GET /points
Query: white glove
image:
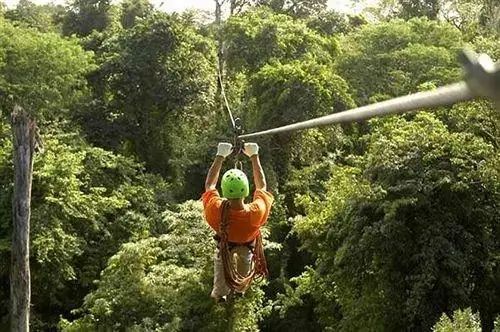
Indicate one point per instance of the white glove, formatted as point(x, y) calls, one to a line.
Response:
point(224, 149)
point(250, 149)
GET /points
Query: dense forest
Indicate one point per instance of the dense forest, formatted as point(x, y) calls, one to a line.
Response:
point(390, 224)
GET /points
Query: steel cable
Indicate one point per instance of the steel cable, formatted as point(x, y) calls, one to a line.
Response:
point(221, 84)
point(446, 95)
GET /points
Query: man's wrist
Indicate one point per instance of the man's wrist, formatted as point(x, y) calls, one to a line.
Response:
point(254, 156)
point(220, 157)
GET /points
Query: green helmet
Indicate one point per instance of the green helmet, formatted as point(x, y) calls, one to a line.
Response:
point(234, 184)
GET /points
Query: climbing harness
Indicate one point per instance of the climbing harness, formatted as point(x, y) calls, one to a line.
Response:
point(231, 245)
point(237, 282)
point(482, 79)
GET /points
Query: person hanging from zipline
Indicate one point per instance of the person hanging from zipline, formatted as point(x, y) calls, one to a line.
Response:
point(239, 257)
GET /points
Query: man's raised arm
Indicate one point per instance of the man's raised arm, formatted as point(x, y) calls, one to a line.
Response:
point(223, 150)
point(252, 151)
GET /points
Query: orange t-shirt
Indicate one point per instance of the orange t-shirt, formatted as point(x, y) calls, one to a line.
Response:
point(244, 224)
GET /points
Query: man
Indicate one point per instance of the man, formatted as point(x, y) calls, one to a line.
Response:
point(244, 220)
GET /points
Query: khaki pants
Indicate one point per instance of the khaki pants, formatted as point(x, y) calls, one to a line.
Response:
point(242, 257)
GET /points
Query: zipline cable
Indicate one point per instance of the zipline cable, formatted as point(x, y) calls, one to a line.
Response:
point(439, 97)
point(235, 123)
point(482, 80)
point(221, 84)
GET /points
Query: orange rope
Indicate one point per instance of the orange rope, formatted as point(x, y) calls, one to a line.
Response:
point(234, 279)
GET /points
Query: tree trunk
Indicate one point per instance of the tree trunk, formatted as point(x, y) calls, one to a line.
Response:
point(23, 131)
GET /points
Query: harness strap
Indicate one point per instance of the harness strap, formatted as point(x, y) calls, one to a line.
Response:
point(250, 244)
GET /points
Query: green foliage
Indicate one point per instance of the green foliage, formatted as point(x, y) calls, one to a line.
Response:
point(477, 117)
point(346, 183)
point(257, 37)
point(490, 46)
point(330, 23)
point(302, 305)
point(297, 91)
point(134, 10)
point(392, 59)
point(296, 8)
point(417, 8)
point(44, 73)
point(406, 247)
point(472, 17)
point(45, 18)
point(475, 17)
point(149, 96)
point(86, 16)
point(461, 321)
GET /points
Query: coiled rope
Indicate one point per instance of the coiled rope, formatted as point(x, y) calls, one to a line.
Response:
point(236, 281)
